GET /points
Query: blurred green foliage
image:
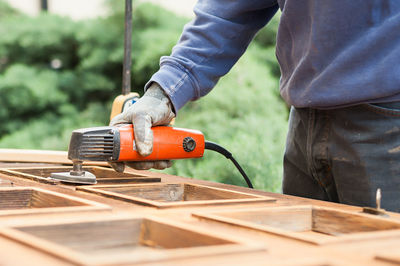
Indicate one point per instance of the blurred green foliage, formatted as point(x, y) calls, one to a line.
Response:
point(57, 75)
point(6, 10)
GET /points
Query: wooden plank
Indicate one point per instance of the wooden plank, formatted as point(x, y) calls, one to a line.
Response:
point(39, 156)
point(32, 200)
point(322, 226)
point(299, 233)
point(14, 253)
point(293, 218)
point(392, 255)
point(103, 175)
point(107, 241)
point(168, 195)
point(44, 246)
point(334, 222)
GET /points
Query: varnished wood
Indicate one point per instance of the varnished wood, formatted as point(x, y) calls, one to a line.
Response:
point(300, 231)
point(31, 200)
point(103, 175)
point(336, 222)
point(392, 255)
point(121, 241)
point(167, 195)
point(39, 156)
point(313, 224)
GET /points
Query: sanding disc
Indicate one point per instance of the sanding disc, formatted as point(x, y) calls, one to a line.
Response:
point(86, 178)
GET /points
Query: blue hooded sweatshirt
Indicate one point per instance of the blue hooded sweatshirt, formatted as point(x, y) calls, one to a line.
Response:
point(332, 53)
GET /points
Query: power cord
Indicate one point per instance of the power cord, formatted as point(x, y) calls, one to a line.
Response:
point(215, 147)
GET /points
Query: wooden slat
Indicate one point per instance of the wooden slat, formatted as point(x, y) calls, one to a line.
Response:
point(108, 241)
point(287, 230)
point(336, 222)
point(103, 175)
point(31, 200)
point(39, 156)
point(167, 195)
point(392, 255)
point(320, 225)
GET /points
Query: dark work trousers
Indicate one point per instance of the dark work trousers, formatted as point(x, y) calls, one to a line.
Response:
point(344, 155)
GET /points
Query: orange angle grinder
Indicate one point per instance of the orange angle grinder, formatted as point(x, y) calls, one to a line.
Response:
point(116, 144)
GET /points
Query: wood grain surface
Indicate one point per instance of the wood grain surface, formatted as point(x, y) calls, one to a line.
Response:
point(31, 200)
point(121, 241)
point(391, 255)
point(313, 224)
point(132, 219)
point(167, 195)
point(103, 175)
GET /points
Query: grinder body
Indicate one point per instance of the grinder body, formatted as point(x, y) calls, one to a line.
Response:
point(116, 143)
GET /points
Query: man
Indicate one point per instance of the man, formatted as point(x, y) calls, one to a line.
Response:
point(340, 69)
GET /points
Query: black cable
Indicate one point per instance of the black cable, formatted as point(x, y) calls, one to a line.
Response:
point(215, 147)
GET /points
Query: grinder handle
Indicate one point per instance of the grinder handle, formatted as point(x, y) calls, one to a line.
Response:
point(123, 102)
point(169, 143)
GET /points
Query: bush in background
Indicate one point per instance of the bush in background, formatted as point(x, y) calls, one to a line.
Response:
point(57, 75)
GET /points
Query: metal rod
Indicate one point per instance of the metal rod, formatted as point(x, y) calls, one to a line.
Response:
point(126, 72)
point(44, 5)
point(378, 198)
point(77, 169)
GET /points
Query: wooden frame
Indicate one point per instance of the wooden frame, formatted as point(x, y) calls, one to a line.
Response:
point(209, 229)
point(308, 223)
point(392, 255)
point(103, 175)
point(39, 156)
point(6, 182)
point(46, 201)
point(167, 195)
point(113, 241)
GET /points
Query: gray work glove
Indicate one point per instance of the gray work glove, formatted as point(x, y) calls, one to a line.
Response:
point(153, 109)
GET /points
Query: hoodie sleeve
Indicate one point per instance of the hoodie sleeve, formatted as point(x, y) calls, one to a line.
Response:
point(209, 46)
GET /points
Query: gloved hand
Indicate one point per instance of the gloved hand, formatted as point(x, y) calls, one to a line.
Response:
point(153, 109)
